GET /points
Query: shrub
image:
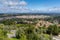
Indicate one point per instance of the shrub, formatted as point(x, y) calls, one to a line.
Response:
point(53, 29)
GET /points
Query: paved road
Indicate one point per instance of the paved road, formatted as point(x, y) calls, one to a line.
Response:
point(56, 37)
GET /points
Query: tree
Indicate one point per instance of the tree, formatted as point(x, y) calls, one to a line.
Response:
point(53, 29)
point(23, 37)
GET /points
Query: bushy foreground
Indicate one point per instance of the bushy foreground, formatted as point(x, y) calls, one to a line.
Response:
point(27, 32)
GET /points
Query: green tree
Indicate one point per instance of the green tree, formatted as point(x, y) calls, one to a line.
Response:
point(23, 37)
point(53, 29)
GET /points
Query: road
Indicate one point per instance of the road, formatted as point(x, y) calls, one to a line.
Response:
point(56, 37)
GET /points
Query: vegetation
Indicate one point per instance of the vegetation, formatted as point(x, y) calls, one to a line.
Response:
point(22, 30)
point(53, 29)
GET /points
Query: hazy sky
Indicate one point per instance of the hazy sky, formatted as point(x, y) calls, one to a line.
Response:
point(18, 6)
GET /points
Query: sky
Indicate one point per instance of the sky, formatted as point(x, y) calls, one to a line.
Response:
point(29, 6)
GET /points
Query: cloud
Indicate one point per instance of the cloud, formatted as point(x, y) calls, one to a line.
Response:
point(54, 10)
point(23, 3)
point(13, 6)
point(15, 3)
point(47, 10)
point(11, 3)
point(20, 6)
point(16, 6)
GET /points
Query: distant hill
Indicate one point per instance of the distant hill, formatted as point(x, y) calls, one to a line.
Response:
point(17, 14)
